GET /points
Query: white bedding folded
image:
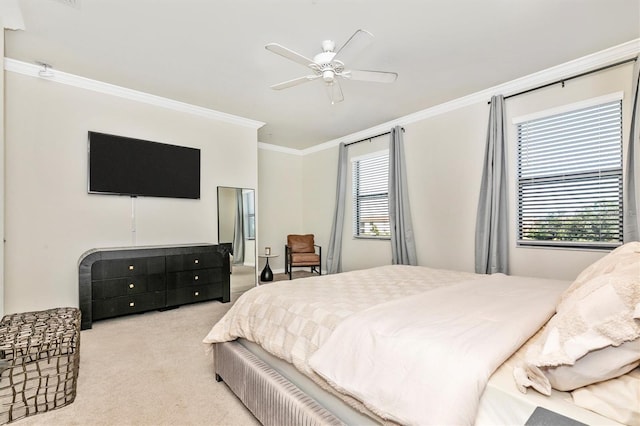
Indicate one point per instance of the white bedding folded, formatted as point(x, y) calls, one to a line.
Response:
point(426, 359)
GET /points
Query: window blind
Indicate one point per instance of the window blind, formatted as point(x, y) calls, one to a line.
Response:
point(570, 178)
point(371, 197)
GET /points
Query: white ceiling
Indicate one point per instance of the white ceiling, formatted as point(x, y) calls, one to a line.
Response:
point(211, 53)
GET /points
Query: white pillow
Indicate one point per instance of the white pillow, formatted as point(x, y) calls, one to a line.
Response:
point(611, 263)
point(600, 309)
point(596, 366)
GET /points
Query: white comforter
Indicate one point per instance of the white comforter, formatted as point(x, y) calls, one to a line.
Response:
point(292, 319)
point(425, 359)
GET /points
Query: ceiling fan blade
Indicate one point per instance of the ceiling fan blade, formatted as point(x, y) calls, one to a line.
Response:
point(358, 41)
point(335, 92)
point(375, 76)
point(289, 54)
point(294, 82)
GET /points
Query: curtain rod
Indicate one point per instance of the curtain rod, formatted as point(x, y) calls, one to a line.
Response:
point(569, 78)
point(370, 137)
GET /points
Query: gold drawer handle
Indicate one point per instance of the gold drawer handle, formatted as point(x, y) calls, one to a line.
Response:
point(195, 278)
point(132, 304)
point(196, 261)
point(131, 267)
point(197, 293)
point(131, 285)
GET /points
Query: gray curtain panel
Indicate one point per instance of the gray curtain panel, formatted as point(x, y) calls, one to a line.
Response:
point(403, 246)
point(631, 188)
point(238, 232)
point(491, 242)
point(334, 251)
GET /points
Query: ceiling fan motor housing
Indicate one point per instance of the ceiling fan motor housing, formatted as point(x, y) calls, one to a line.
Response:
point(328, 46)
point(328, 75)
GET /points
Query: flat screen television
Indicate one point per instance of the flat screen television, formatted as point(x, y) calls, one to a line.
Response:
point(135, 167)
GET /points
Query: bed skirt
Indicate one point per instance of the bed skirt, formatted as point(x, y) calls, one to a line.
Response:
point(271, 398)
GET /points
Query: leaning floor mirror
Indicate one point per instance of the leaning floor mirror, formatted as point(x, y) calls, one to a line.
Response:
point(236, 226)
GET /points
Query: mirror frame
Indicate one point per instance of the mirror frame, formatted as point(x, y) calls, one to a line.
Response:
point(253, 253)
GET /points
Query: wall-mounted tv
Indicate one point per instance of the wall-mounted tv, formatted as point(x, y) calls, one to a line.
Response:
point(135, 167)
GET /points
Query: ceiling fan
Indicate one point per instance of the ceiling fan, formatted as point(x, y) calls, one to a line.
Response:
point(329, 65)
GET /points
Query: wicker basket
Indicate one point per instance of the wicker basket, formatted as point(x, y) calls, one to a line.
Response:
point(39, 362)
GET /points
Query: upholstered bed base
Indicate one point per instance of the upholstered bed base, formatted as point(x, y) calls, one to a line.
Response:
point(271, 398)
point(277, 394)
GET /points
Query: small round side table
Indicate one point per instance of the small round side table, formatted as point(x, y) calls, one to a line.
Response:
point(266, 274)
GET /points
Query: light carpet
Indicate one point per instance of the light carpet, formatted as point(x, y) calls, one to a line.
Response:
point(150, 369)
point(242, 278)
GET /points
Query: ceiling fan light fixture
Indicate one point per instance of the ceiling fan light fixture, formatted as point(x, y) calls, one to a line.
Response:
point(328, 76)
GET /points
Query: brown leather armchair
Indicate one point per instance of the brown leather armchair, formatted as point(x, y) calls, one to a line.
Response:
point(300, 251)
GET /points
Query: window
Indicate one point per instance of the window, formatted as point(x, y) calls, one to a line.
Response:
point(570, 178)
point(371, 196)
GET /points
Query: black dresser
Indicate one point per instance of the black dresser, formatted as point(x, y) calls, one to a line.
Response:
point(115, 282)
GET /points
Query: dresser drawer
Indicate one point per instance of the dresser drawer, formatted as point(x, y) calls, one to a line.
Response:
point(125, 286)
point(120, 268)
point(124, 305)
point(196, 293)
point(187, 262)
point(190, 278)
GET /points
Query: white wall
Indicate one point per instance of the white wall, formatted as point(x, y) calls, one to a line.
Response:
point(319, 182)
point(51, 220)
point(279, 203)
point(444, 155)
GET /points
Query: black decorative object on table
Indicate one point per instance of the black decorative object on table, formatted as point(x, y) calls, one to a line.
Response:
point(267, 274)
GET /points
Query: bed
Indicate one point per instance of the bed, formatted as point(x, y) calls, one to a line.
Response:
point(404, 344)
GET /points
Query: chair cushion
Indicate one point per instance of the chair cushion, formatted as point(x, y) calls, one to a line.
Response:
point(305, 259)
point(301, 243)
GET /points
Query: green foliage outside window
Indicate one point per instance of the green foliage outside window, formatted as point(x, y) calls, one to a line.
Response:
point(599, 222)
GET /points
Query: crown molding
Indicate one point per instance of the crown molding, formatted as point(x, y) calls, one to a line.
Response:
point(599, 59)
point(32, 70)
point(278, 148)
